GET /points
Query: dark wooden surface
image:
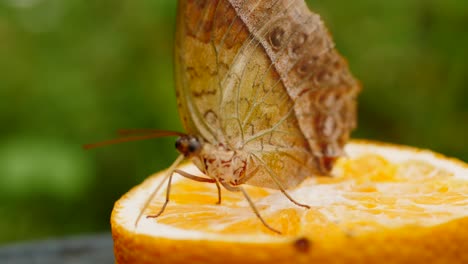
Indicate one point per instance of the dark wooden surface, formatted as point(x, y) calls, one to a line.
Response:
point(74, 250)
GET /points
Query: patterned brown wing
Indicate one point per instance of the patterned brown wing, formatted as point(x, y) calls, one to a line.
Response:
point(316, 77)
point(232, 91)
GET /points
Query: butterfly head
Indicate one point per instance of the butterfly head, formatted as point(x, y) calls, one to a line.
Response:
point(189, 145)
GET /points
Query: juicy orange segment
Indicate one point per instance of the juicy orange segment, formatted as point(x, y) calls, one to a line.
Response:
point(382, 202)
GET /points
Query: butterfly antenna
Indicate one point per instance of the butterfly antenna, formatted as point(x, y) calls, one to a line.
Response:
point(146, 131)
point(156, 190)
point(134, 135)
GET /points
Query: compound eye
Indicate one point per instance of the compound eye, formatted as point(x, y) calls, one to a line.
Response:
point(193, 146)
point(178, 144)
point(182, 145)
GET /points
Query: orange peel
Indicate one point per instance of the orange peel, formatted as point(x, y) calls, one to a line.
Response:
point(384, 203)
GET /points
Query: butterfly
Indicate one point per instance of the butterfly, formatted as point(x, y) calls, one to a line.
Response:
point(263, 95)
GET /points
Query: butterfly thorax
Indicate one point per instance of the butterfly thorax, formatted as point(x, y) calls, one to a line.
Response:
point(226, 165)
point(216, 161)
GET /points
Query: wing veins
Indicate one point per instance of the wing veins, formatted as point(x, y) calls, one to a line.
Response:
point(252, 39)
point(268, 131)
point(247, 43)
point(201, 22)
point(245, 48)
point(283, 49)
point(215, 49)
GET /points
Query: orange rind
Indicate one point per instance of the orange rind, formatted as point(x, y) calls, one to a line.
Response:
point(384, 204)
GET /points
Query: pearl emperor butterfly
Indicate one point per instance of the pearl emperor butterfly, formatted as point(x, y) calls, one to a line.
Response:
point(264, 96)
point(262, 91)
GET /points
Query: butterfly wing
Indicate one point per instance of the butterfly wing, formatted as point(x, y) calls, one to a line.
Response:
point(236, 87)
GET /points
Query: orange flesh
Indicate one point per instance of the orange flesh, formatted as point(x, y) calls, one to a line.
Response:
point(412, 209)
point(375, 194)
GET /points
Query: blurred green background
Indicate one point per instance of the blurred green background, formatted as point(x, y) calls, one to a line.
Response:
point(73, 72)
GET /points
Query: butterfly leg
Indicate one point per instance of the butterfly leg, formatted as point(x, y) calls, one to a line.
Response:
point(191, 177)
point(201, 179)
point(156, 190)
point(251, 203)
point(280, 186)
point(168, 192)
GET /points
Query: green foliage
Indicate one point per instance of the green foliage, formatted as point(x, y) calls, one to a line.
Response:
point(72, 72)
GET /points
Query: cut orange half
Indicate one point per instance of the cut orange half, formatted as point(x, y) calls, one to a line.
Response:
point(384, 204)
